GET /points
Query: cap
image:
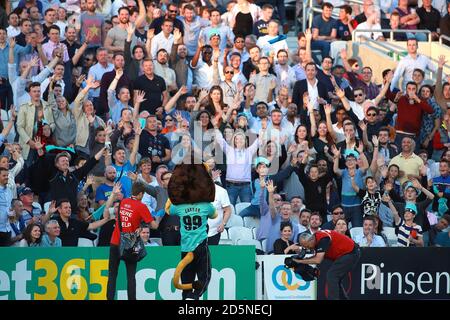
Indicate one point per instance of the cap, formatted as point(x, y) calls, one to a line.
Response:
point(214, 32)
point(259, 160)
point(24, 191)
point(351, 153)
point(408, 185)
point(411, 207)
point(242, 114)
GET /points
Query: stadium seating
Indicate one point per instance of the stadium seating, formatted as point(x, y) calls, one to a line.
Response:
point(237, 233)
point(241, 206)
point(226, 242)
point(391, 236)
point(224, 234)
point(251, 222)
point(83, 242)
point(355, 231)
point(235, 221)
point(156, 240)
point(249, 242)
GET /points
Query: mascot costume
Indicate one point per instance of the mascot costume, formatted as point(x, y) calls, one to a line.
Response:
point(191, 193)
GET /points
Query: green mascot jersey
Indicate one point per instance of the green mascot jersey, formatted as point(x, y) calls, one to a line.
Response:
point(194, 222)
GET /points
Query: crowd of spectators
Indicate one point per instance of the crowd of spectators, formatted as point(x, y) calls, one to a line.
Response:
point(96, 95)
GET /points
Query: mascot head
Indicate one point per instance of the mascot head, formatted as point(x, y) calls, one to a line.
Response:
point(191, 183)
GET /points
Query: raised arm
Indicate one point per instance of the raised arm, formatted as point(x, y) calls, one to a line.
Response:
point(383, 91)
point(137, 135)
point(171, 104)
point(177, 40)
point(194, 61)
point(271, 189)
point(140, 20)
point(365, 164)
point(336, 157)
point(330, 129)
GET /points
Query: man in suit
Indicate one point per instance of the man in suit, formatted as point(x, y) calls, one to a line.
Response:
point(317, 92)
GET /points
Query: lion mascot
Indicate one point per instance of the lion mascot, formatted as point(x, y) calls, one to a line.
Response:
point(191, 193)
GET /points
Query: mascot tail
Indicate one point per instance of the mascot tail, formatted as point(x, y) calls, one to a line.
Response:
point(180, 267)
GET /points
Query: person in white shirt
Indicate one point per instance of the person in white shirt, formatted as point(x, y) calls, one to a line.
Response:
point(62, 22)
point(408, 64)
point(372, 23)
point(204, 67)
point(267, 48)
point(223, 209)
point(13, 29)
point(164, 39)
point(161, 67)
point(368, 238)
point(285, 73)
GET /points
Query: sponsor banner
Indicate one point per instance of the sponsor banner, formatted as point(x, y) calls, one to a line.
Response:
point(82, 273)
point(396, 273)
point(283, 284)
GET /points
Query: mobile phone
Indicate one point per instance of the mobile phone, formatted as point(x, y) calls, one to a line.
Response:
point(108, 146)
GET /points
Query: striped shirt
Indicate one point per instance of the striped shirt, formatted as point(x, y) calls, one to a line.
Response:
point(404, 232)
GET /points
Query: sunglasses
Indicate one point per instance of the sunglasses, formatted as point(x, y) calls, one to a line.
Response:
point(371, 114)
point(239, 41)
point(229, 71)
point(338, 212)
point(173, 11)
point(359, 95)
point(169, 119)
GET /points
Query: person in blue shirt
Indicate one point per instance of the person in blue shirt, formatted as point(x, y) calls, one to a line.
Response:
point(122, 165)
point(262, 168)
point(441, 189)
point(51, 235)
point(350, 200)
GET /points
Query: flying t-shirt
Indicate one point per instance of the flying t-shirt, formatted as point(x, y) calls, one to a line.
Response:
point(194, 221)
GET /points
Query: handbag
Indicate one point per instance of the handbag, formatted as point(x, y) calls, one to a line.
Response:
point(131, 248)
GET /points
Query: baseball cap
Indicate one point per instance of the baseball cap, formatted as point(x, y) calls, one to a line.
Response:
point(24, 191)
point(214, 32)
point(259, 160)
point(351, 153)
point(411, 207)
point(242, 114)
point(408, 185)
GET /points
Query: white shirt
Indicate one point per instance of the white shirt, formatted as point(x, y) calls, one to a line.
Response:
point(221, 201)
point(371, 35)
point(377, 241)
point(285, 77)
point(313, 93)
point(203, 73)
point(62, 27)
point(165, 72)
point(161, 42)
point(117, 4)
point(406, 66)
point(12, 31)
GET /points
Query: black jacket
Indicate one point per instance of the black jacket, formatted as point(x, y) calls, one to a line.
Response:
point(66, 186)
point(300, 87)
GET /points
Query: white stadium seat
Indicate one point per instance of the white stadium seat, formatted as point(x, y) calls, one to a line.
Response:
point(226, 242)
point(241, 206)
point(236, 233)
point(389, 232)
point(355, 231)
point(156, 240)
point(235, 221)
point(224, 234)
point(249, 242)
point(83, 242)
point(251, 222)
